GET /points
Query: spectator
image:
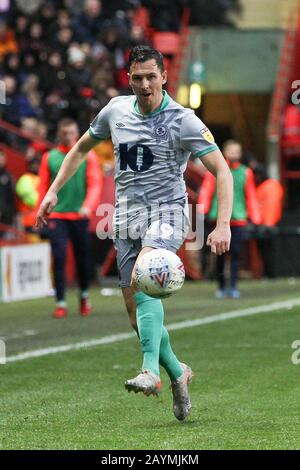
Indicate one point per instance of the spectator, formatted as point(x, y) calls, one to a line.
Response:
point(270, 199)
point(53, 76)
point(7, 194)
point(12, 66)
point(113, 7)
point(70, 218)
point(17, 104)
point(89, 23)
point(20, 27)
point(35, 43)
point(78, 73)
point(29, 65)
point(46, 17)
point(103, 83)
point(76, 6)
point(30, 89)
point(63, 20)
point(245, 207)
point(63, 41)
point(37, 132)
point(165, 15)
point(29, 7)
point(137, 36)
point(8, 43)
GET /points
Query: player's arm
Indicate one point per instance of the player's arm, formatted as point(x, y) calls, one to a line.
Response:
point(70, 164)
point(219, 238)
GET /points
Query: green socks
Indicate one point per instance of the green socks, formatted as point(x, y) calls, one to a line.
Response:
point(167, 358)
point(150, 318)
point(154, 337)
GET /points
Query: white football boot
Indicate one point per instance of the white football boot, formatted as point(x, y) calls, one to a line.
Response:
point(181, 400)
point(145, 382)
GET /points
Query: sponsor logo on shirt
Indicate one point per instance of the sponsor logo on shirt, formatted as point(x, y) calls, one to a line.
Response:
point(120, 124)
point(207, 135)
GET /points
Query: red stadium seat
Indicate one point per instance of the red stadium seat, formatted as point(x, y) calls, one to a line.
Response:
point(166, 42)
point(142, 18)
point(291, 128)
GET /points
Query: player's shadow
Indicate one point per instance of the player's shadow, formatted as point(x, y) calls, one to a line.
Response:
point(192, 422)
point(189, 423)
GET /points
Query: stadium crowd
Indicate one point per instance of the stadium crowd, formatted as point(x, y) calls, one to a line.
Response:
point(68, 57)
point(64, 58)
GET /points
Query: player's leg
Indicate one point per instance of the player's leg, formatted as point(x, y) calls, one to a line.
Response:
point(148, 381)
point(153, 334)
point(58, 236)
point(167, 358)
point(235, 252)
point(180, 374)
point(79, 235)
point(148, 321)
point(169, 232)
point(220, 264)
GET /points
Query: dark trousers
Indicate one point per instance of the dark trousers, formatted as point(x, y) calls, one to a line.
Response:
point(237, 237)
point(60, 231)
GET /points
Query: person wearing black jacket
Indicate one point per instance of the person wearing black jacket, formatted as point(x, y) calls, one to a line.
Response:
point(7, 194)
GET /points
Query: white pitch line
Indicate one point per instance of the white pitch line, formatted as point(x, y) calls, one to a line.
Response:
point(20, 335)
point(289, 304)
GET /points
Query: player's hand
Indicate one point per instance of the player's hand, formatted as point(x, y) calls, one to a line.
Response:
point(219, 240)
point(46, 207)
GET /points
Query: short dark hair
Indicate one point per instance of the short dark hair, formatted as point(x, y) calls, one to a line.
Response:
point(143, 53)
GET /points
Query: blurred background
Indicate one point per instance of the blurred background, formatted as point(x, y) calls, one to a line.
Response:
point(235, 62)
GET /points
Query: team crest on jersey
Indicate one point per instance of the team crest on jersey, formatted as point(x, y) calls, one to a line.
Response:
point(207, 135)
point(160, 132)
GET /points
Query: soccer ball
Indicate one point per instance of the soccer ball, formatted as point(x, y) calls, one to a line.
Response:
point(159, 273)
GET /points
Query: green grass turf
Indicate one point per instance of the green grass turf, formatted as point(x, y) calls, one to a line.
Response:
point(245, 393)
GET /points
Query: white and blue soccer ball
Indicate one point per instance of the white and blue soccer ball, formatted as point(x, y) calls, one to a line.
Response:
point(159, 273)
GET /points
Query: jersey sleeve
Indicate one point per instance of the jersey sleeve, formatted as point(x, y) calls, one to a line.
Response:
point(195, 137)
point(99, 128)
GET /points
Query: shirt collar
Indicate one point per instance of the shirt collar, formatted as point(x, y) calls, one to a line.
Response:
point(165, 101)
point(64, 148)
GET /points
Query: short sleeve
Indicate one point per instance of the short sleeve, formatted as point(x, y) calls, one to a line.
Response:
point(99, 128)
point(195, 137)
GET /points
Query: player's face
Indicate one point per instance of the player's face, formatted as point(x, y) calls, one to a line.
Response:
point(68, 135)
point(147, 81)
point(233, 152)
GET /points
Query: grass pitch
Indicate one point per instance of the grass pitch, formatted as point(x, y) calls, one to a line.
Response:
point(245, 393)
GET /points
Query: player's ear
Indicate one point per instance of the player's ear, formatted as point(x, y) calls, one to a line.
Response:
point(165, 77)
